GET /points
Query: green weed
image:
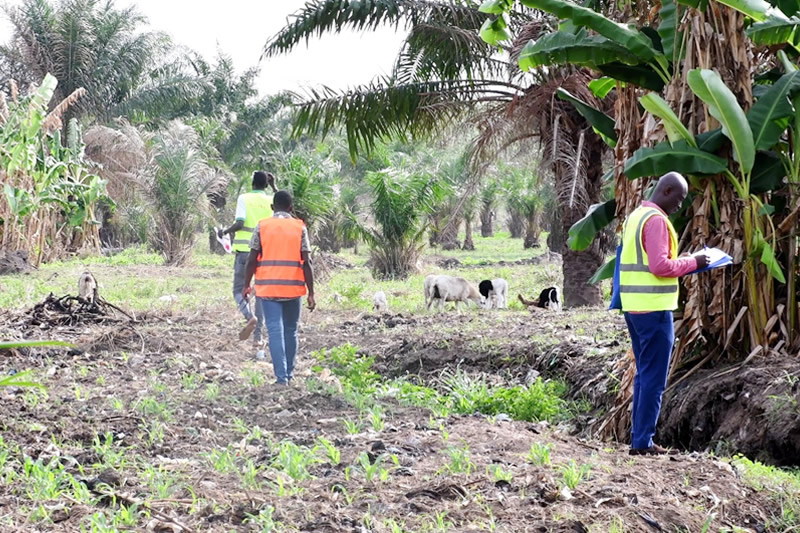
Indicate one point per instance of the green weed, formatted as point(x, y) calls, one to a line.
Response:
point(573, 475)
point(539, 454)
point(295, 460)
point(460, 461)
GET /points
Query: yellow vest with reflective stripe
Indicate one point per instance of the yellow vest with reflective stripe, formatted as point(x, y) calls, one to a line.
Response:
point(639, 289)
point(258, 205)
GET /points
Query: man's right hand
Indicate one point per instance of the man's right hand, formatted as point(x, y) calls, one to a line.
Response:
point(246, 291)
point(702, 260)
point(220, 233)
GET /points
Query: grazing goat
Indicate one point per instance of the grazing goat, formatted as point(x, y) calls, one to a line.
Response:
point(494, 292)
point(548, 299)
point(454, 289)
point(427, 287)
point(379, 303)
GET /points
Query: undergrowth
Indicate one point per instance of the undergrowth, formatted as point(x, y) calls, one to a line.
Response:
point(460, 393)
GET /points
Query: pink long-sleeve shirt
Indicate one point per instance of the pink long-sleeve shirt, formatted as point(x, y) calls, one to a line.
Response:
point(655, 238)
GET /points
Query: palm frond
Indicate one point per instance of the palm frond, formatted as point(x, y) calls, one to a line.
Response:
point(318, 17)
point(381, 109)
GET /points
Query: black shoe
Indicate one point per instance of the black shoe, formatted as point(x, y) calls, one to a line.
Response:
point(655, 449)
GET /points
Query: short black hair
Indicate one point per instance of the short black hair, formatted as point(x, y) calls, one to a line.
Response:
point(282, 200)
point(259, 179)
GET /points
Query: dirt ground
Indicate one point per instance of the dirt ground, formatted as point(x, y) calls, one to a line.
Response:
point(172, 417)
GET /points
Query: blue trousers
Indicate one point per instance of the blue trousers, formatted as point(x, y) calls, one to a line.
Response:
point(239, 264)
point(282, 317)
point(652, 336)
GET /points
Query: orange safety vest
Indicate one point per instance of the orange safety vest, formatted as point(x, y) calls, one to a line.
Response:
point(279, 273)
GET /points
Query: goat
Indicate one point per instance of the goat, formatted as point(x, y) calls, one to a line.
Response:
point(494, 292)
point(548, 299)
point(379, 303)
point(427, 287)
point(454, 289)
point(87, 288)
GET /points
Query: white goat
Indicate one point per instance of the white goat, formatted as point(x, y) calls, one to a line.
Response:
point(379, 303)
point(454, 289)
point(494, 293)
point(427, 287)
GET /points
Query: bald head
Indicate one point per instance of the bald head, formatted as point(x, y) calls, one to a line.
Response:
point(670, 192)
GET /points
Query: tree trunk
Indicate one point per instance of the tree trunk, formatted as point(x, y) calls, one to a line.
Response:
point(487, 216)
point(448, 238)
point(532, 233)
point(434, 237)
point(468, 244)
point(556, 238)
point(578, 267)
point(516, 224)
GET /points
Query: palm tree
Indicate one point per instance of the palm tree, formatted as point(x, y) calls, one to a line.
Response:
point(92, 44)
point(401, 201)
point(444, 74)
point(489, 194)
point(178, 184)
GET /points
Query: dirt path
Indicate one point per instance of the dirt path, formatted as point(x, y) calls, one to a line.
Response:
point(174, 419)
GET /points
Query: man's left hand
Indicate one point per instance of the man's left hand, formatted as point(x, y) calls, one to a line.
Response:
point(312, 302)
point(220, 233)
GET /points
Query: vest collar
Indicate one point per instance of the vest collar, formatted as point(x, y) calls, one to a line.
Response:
point(647, 203)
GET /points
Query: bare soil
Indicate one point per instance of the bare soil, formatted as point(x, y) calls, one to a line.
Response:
point(153, 358)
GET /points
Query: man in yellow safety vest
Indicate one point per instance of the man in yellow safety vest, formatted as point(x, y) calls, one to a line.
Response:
point(648, 286)
point(250, 208)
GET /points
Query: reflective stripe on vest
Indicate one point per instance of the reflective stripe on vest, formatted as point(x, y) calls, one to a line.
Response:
point(279, 272)
point(257, 206)
point(641, 290)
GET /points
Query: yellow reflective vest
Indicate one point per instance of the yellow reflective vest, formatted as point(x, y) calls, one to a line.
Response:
point(640, 289)
point(258, 205)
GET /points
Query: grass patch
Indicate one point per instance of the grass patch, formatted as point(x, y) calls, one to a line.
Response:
point(463, 394)
point(783, 486)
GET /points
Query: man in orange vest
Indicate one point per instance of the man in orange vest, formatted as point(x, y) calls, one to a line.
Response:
point(279, 259)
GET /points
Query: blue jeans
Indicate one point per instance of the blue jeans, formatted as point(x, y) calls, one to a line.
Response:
point(239, 265)
point(652, 336)
point(282, 318)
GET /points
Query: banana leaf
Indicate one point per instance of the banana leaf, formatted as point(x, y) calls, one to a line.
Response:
point(602, 86)
point(771, 113)
point(562, 48)
point(602, 123)
point(711, 141)
point(640, 75)
point(676, 131)
point(627, 36)
point(758, 10)
point(679, 157)
point(582, 233)
point(722, 105)
point(774, 30)
point(768, 173)
point(604, 272)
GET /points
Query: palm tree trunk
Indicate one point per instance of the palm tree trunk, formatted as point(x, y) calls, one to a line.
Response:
point(487, 214)
point(516, 224)
point(449, 237)
point(556, 239)
point(578, 267)
point(532, 233)
point(468, 243)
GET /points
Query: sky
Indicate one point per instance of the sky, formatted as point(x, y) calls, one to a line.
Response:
point(242, 27)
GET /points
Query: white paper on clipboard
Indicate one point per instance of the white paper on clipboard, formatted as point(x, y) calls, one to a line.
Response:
point(225, 241)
